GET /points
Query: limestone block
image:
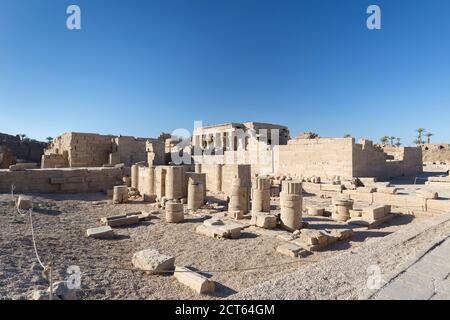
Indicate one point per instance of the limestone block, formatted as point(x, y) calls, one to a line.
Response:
point(193, 280)
point(105, 232)
point(425, 194)
point(438, 206)
point(315, 211)
point(211, 231)
point(289, 249)
point(355, 213)
point(152, 261)
point(374, 212)
point(219, 229)
point(174, 212)
point(341, 234)
point(238, 215)
point(120, 194)
point(312, 237)
point(121, 220)
point(24, 203)
point(264, 220)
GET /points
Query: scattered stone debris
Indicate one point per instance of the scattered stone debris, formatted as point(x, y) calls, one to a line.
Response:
point(315, 211)
point(151, 261)
point(105, 232)
point(218, 228)
point(121, 220)
point(289, 249)
point(264, 220)
point(120, 194)
point(195, 281)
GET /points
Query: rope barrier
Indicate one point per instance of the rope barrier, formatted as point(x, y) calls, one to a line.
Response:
point(34, 240)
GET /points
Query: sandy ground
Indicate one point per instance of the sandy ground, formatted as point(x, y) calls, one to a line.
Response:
point(60, 223)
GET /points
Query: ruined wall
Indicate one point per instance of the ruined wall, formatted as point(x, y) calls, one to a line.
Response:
point(324, 157)
point(131, 150)
point(408, 161)
point(369, 160)
point(6, 157)
point(436, 153)
point(28, 150)
point(82, 149)
point(156, 152)
point(67, 180)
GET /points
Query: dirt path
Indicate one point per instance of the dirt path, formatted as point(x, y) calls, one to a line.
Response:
point(345, 276)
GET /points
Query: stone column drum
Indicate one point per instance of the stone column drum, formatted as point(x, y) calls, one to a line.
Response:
point(198, 168)
point(174, 212)
point(195, 195)
point(342, 207)
point(261, 195)
point(239, 199)
point(291, 205)
point(120, 194)
point(174, 182)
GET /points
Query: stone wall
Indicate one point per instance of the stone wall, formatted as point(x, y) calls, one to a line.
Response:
point(324, 157)
point(131, 150)
point(436, 153)
point(6, 157)
point(28, 150)
point(66, 180)
point(94, 150)
point(80, 149)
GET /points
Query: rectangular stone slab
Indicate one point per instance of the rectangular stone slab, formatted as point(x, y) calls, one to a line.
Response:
point(195, 281)
point(104, 232)
point(152, 261)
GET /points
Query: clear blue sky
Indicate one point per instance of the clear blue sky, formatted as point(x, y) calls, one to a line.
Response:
point(141, 67)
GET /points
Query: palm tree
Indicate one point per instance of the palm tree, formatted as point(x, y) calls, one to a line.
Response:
point(418, 142)
point(384, 140)
point(420, 132)
point(429, 135)
point(391, 139)
point(348, 135)
point(398, 143)
point(49, 139)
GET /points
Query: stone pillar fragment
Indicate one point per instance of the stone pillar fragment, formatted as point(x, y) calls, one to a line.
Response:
point(261, 195)
point(174, 212)
point(239, 199)
point(291, 205)
point(195, 195)
point(120, 194)
point(175, 182)
point(342, 207)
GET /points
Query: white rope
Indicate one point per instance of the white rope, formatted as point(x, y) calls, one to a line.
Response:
point(34, 241)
